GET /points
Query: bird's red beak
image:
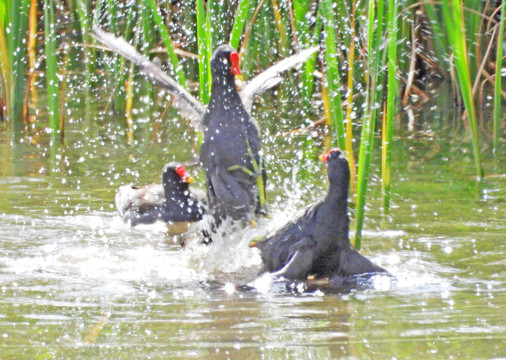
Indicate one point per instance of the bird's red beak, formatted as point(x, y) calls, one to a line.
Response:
point(325, 156)
point(234, 59)
point(183, 174)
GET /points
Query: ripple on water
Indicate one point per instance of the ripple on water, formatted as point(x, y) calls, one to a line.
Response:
point(103, 249)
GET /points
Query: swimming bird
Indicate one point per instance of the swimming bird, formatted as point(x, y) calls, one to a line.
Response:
point(171, 201)
point(317, 242)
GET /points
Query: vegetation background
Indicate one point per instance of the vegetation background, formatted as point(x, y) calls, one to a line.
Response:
point(379, 60)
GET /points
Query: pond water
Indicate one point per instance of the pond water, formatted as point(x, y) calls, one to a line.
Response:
point(76, 282)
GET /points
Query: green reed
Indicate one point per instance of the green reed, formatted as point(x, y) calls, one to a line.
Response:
point(349, 101)
point(148, 42)
point(53, 87)
point(471, 21)
point(387, 132)
point(305, 39)
point(373, 101)
point(116, 65)
point(498, 82)
point(14, 28)
point(332, 73)
point(83, 14)
point(5, 80)
point(308, 78)
point(165, 35)
point(204, 49)
point(239, 20)
point(438, 35)
point(455, 28)
point(260, 26)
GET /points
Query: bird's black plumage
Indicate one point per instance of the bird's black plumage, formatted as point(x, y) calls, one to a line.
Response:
point(317, 243)
point(231, 145)
point(171, 201)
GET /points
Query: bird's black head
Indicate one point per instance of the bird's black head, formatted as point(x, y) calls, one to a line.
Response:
point(338, 169)
point(225, 63)
point(175, 177)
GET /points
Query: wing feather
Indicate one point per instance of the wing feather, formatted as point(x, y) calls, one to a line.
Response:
point(269, 78)
point(190, 107)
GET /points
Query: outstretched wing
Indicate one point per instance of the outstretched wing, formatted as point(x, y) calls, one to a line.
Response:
point(270, 77)
point(190, 107)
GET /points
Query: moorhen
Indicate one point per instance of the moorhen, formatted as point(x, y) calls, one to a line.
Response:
point(317, 242)
point(171, 201)
point(230, 153)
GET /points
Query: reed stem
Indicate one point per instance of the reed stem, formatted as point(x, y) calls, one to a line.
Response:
point(17, 22)
point(239, 20)
point(53, 92)
point(369, 123)
point(164, 32)
point(332, 73)
point(390, 106)
point(349, 105)
point(456, 33)
point(203, 40)
point(498, 82)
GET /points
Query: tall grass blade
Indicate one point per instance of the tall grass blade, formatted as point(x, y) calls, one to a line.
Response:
point(203, 40)
point(326, 112)
point(119, 70)
point(349, 100)
point(455, 28)
point(5, 80)
point(369, 123)
point(250, 42)
point(309, 66)
point(332, 72)
point(283, 39)
point(53, 92)
point(239, 20)
point(300, 12)
point(438, 35)
point(390, 107)
point(31, 44)
point(471, 21)
point(164, 32)
point(83, 14)
point(129, 105)
point(18, 25)
point(498, 82)
point(209, 42)
point(4, 11)
point(149, 41)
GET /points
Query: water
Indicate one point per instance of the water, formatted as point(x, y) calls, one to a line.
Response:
point(76, 282)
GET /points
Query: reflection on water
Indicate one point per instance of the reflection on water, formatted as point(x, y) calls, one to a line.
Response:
point(73, 274)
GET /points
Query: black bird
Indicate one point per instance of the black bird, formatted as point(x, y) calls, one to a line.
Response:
point(171, 201)
point(317, 243)
point(230, 153)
